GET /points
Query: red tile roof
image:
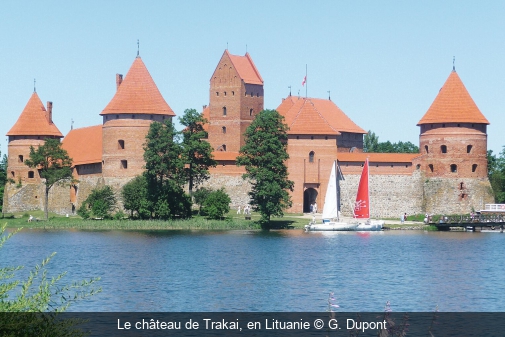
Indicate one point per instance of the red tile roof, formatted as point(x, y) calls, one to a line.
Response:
point(453, 104)
point(225, 155)
point(377, 157)
point(34, 121)
point(138, 94)
point(315, 116)
point(84, 145)
point(246, 68)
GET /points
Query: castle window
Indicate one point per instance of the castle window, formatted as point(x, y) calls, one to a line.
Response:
point(257, 94)
point(224, 129)
point(20, 158)
point(120, 144)
point(233, 93)
point(311, 157)
point(426, 148)
point(418, 166)
point(474, 167)
point(225, 93)
point(431, 167)
point(454, 168)
point(461, 185)
point(224, 147)
point(124, 164)
point(31, 174)
point(252, 94)
point(443, 149)
point(12, 174)
point(250, 112)
point(469, 148)
point(224, 111)
point(217, 93)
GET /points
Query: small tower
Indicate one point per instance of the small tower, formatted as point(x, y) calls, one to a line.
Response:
point(126, 120)
point(236, 96)
point(33, 126)
point(453, 146)
point(453, 139)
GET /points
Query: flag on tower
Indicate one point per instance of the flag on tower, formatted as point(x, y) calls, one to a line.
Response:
point(304, 80)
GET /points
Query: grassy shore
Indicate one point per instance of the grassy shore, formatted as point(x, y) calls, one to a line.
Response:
point(232, 221)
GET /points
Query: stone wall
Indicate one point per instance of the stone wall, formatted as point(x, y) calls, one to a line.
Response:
point(391, 195)
point(236, 187)
point(456, 195)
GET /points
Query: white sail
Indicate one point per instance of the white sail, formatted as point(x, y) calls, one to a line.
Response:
point(330, 209)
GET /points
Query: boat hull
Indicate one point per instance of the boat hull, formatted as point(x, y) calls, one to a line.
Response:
point(370, 225)
point(331, 226)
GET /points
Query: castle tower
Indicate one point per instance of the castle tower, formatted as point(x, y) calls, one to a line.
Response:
point(453, 146)
point(236, 96)
point(33, 126)
point(126, 120)
point(453, 139)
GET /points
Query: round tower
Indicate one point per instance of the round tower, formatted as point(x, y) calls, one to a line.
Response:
point(453, 146)
point(453, 138)
point(126, 120)
point(33, 126)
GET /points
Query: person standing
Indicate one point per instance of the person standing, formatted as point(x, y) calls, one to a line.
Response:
point(315, 207)
point(312, 208)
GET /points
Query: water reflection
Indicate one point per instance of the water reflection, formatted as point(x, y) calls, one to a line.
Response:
point(286, 270)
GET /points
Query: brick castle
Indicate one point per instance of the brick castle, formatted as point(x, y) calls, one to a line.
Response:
point(449, 175)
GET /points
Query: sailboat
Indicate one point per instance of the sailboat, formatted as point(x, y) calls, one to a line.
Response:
point(330, 209)
point(362, 205)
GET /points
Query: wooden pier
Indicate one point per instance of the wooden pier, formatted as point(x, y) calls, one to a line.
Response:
point(488, 221)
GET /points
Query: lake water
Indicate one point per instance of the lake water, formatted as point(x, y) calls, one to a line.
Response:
point(273, 271)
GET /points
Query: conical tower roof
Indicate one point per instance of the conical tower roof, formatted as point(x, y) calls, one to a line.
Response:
point(453, 104)
point(138, 94)
point(34, 121)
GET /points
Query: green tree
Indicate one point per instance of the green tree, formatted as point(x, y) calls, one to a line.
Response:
point(264, 156)
point(3, 178)
point(38, 293)
point(164, 173)
point(196, 151)
point(101, 201)
point(134, 195)
point(370, 142)
point(496, 174)
point(217, 204)
point(53, 163)
point(199, 196)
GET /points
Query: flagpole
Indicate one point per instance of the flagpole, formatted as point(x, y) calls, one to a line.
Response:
point(306, 81)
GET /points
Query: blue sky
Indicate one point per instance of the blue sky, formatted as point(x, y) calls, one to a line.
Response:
point(382, 61)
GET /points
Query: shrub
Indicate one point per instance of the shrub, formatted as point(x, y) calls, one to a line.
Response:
point(217, 204)
point(84, 211)
point(102, 202)
point(200, 195)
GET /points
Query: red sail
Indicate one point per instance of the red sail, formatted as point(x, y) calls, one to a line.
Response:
point(362, 205)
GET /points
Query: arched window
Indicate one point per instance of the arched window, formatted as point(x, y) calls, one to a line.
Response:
point(311, 156)
point(124, 164)
point(224, 129)
point(418, 166)
point(431, 167)
point(426, 148)
point(474, 167)
point(250, 112)
point(454, 168)
point(469, 148)
point(225, 93)
point(31, 174)
point(224, 111)
point(20, 158)
point(120, 144)
point(224, 147)
point(443, 149)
